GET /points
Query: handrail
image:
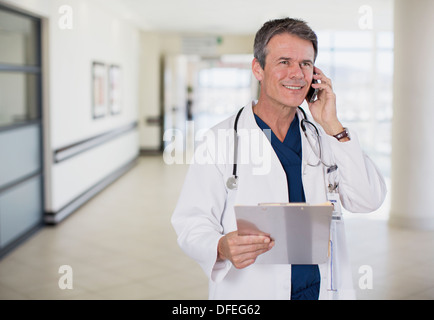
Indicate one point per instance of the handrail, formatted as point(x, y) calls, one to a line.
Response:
point(74, 149)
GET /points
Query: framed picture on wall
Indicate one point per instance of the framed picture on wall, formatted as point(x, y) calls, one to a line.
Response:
point(115, 91)
point(99, 90)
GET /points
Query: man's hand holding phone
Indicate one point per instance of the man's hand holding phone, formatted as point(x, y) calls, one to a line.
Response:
point(323, 109)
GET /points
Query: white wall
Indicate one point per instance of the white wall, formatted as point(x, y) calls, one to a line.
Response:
point(97, 34)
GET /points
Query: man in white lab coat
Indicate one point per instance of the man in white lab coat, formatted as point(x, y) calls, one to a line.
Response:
point(287, 167)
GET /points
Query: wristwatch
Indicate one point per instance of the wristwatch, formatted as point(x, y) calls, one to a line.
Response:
point(342, 134)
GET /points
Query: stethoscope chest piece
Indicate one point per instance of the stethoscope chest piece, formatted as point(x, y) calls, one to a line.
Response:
point(232, 183)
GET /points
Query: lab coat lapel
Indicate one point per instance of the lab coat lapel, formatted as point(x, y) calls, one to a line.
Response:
point(268, 175)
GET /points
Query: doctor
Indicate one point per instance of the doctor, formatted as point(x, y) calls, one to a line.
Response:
point(296, 170)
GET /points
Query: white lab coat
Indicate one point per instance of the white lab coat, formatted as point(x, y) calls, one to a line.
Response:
point(205, 213)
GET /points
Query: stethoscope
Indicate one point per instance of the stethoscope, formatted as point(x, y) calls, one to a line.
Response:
point(232, 182)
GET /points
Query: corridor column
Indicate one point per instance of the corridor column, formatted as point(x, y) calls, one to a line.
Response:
point(412, 194)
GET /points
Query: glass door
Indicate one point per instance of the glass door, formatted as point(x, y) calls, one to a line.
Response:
point(199, 92)
point(21, 188)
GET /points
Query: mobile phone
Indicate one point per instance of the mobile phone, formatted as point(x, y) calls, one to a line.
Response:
point(312, 93)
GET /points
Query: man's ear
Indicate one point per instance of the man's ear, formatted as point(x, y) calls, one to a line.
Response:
point(257, 70)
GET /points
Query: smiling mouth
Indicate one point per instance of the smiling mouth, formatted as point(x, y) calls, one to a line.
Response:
point(294, 87)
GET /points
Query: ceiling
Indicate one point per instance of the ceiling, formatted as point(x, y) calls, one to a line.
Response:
point(246, 16)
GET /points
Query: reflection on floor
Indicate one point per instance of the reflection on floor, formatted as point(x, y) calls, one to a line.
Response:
point(120, 245)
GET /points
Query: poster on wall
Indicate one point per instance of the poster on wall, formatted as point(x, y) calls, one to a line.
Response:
point(99, 90)
point(114, 89)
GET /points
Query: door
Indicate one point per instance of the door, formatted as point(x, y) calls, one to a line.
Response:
point(199, 92)
point(21, 186)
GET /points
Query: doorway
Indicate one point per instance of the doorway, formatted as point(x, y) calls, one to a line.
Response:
point(21, 178)
point(202, 91)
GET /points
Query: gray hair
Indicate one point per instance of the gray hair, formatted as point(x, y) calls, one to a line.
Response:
point(271, 28)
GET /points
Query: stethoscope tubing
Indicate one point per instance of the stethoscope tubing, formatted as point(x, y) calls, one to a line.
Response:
point(234, 170)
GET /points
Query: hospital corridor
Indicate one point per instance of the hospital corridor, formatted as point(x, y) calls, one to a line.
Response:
point(103, 104)
point(120, 245)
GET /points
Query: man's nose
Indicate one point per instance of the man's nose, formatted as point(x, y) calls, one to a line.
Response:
point(295, 71)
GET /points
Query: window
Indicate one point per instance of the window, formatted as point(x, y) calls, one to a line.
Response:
point(20, 68)
point(360, 64)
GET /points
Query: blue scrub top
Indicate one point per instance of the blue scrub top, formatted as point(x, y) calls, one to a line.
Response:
point(305, 279)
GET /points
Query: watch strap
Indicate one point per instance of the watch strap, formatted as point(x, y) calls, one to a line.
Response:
point(342, 134)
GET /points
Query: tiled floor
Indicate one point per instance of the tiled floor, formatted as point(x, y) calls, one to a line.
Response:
point(120, 245)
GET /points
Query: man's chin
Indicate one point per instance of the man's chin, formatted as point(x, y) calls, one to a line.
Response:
point(294, 102)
